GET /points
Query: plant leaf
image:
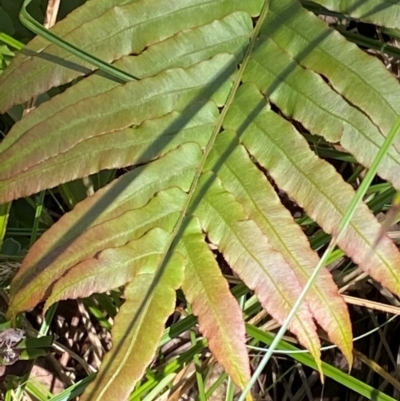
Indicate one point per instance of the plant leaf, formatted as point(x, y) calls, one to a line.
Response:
point(136, 332)
point(239, 176)
point(191, 182)
point(361, 110)
point(154, 97)
point(313, 183)
point(220, 318)
point(379, 12)
point(251, 256)
point(182, 50)
point(146, 22)
point(140, 205)
point(110, 268)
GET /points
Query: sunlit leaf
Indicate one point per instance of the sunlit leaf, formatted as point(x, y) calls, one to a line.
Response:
point(136, 332)
point(251, 256)
point(139, 25)
point(314, 184)
point(250, 187)
point(220, 317)
point(137, 206)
